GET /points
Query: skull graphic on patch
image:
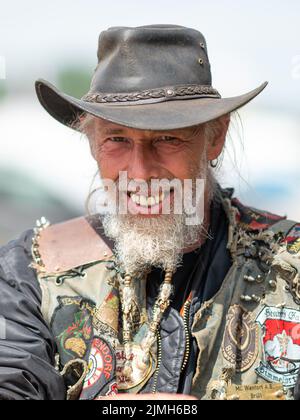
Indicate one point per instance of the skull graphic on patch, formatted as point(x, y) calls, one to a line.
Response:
point(281, 344)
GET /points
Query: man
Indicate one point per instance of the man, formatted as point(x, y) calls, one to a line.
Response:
point(172, 287)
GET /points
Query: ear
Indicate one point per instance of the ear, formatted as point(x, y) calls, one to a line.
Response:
point(217, 142)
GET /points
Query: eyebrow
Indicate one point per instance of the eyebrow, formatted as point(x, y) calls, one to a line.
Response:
point(120, 131)
point(113, 131)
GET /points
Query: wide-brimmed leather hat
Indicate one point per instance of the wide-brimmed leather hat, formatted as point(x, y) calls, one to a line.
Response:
point(154, 77)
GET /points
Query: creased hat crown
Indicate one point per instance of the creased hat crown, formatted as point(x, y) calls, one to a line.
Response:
point(150, 57)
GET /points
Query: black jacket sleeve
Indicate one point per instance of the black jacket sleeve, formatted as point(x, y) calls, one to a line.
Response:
point(27, 347)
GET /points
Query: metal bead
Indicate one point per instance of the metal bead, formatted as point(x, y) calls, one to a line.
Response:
point(252, 298)
point(250, 279)
point(126, 335)
point(273, 284)
point(259, 279)
point(58, 282)
point(168, 276)
point(44, 221)
point(201, 61)
point(246, 298)
point(170, 92)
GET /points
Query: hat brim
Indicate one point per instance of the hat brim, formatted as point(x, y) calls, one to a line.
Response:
point(168, 115)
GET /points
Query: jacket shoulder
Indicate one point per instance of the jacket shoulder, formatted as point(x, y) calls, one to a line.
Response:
point(15, 268)
point(16, 253)
point(61, 247)
point(253, 219)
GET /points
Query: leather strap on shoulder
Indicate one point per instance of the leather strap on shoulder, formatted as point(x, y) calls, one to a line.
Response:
point(71, 244)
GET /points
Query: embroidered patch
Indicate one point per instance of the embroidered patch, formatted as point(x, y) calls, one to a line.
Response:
point(106, 317)
point(100, 379)
point(240, 343)
point(72, 327)
point(293, 240)
point(253, 219)
point(281, 341)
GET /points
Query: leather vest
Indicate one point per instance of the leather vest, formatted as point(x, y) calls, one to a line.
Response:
point(248, 334)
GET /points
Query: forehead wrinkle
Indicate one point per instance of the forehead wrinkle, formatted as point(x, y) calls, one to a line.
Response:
point(113, 131)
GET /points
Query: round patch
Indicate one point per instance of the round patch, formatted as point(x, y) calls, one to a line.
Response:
point(240, 343)
point(281, 341)
point(95, 368)
point(101, 373)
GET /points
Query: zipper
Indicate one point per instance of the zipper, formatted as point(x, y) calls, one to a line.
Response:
point(186, 321)
point(159, 354)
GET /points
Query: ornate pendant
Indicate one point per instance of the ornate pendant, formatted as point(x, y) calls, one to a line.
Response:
point(132, 372)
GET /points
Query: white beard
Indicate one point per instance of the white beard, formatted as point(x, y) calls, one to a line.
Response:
point(141, 243)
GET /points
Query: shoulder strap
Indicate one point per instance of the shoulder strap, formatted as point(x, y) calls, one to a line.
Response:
point(71, 244)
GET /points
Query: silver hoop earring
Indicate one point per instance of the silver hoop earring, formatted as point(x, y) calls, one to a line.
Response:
point(214, 163)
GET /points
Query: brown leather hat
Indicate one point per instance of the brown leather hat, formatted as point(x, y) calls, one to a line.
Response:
point(151, 77)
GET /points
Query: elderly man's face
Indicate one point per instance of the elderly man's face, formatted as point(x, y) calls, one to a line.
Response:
point(147, 155)
point(144, 237)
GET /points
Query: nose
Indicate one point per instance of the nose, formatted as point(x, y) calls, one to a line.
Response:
point(142, 164)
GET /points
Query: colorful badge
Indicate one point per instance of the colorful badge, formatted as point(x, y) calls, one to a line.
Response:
point(106, 317)
point(293, 240)
point(72, 327)
point(281, 344)
point(100, 379)
point(240, 343)
point(253, 219)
